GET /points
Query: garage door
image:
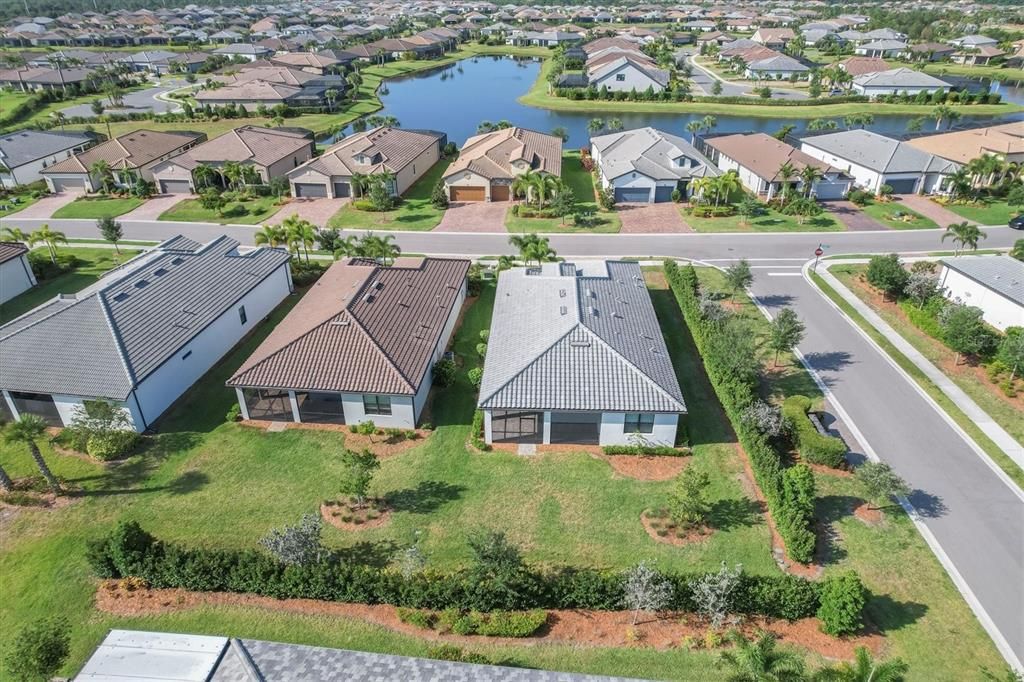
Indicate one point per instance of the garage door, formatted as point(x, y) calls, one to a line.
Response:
point(663, 193)
point(342, 189)
point(175, 187)
point(830, 190)
point(907, 186)
point(501, 192)
point(633, 194)
point(73, 184)
point(468, 193)
point(310, 190)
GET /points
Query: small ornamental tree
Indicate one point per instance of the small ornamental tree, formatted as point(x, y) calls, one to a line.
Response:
point(411, 560)
point(785, 332)
point(738, 276)
point(1011, 350)
point(748, 208)
point(439, 195)
point(842, 601)
point(444, 373)
point(645, 589)
point(764, 418)
point(922, 287)
point(562, 202)
point(713, 594)
point(357, 473)
point(211, 200)
point(963, 330)
point(39, 650)
point(887, 273)
point(297, 545)
point(111, 230)
point(688, 505)
point(880, 482)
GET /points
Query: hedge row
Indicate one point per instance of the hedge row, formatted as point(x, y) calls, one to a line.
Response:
point(493, 624)
point(788, 491)
point(813, 446)
point(130, 551)
point(662, 450)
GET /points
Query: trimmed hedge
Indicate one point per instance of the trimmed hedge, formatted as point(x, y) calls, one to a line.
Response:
point(493, 624)
point(662, 450)
point(131, 551)
point(812, 445)
point(795, 522)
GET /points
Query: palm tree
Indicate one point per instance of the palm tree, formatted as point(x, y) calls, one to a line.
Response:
point(785, 176)
point(726, 184)
point(26, 430)
point(270, 236)
point(959, 183)
point(16, 234)
point(203, 175)
point(60, 118)
point(44, 235)
point(595, 126)
point(943, 113)
point(6, 484)
point(382, 248)
point(101, 169)
point(694, 127)
point(532, 247)
point(614, 125)
point(760, 661)
point(232, 172)
point(331, 95)
point(299, 232)
point(808, 176)
point(965, 236)
point(522, 185)
point(865, 669)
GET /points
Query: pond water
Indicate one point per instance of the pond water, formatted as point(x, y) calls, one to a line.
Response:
point(456, 98)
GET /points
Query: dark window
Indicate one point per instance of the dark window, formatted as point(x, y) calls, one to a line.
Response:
point(241, 314)
point(39, 404)
point(186, 355)
point(639, 422)
point(377, 404)
point(269, 404)
point(517, 427)
point(620, 77)
point(321, 408)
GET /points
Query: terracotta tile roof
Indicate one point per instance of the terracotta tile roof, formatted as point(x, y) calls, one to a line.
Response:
point(270, 73)
point(491, 154)
point(361, 328)
point(856, 66)
point(764, 155)
point(261, 146)
point(966, 145)
point(253, 90)
point(132, 150)
point(301, 59)
point(385, 149)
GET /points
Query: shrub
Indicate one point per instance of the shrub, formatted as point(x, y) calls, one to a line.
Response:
point(481, 349)
point(364, 428)
point(234, 413)
point(111, 445)
point(439, 195)
point(39, 649)
point(444, 373)
point(508, 623)
point(476, 375)
point(651, 450)
point(813, 446)
point(450, 652)
point(859, 197)
point(304, 274)
point(477, 431)
point(842, 602)
point(417, 617)
point(296, 545)
point(887, 273)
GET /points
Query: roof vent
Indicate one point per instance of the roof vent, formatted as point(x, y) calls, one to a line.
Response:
point(368, 298)
point(177, 261)
point(142, 284)
point(160, 273)
point(590, 293)
point(343, 322)
point(561, 293)
point(562, 310)
point(593, 311)
point(121, 297)
point(579, 344)
point(378, 285)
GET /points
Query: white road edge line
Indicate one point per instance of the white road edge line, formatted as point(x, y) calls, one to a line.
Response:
point(933, 543)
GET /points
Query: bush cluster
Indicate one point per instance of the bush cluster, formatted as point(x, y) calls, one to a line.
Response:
point(477, 432)
point(493, 624)
point(737, 392)
point(842, 603)
point(130, 551)
point(305, 273)
point(111, 445)
point(712, 211)
point(43, 268)
point(663, 450)
point(812, 445)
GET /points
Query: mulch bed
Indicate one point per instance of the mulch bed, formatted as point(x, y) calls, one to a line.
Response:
point(334, 512)
point(569, 627)
point(37, 495)
point(868, 515)
point(646, 467)
point(672, 537)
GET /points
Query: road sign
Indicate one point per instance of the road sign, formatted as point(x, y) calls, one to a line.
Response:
point(818, 251)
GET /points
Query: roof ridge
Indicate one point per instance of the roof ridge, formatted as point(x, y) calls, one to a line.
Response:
point(242, 141)
point(376, 345)
point(118, 342)
point(536, 357)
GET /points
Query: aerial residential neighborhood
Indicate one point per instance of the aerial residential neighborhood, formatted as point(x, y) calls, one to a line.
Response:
point(463, 340)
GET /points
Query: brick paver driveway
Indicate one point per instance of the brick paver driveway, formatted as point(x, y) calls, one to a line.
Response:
point(929, 209)
point(477, 216)
point(316, 211)
point(850, 215)
point(660, 218)
point(156, 205)
point(45, 207)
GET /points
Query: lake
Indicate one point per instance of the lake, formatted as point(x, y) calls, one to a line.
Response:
point(456, 98)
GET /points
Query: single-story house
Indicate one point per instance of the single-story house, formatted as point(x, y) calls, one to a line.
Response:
point(858, 66)
point(129, 156)
point(405, 153)
point(163, 61)
point(24, 153)
point(883, 34)
point(1005, 141)
point(488, 163)
point(575, 355)
point(646, 165)
point(15, 271)
point(360, 346)
point(271, 151)
point(778, 67)
point(44, 78)
point(882, 48)
point(873, 160)
point(247, 51)
point(978, 56)
point(898, 81)
point(628, 73)
point(775, 38)
point(757, 158)
point(313, 62)
point(253, 93)
point(973, 41)
point(143, 334)
point(931, 52)
point(993, 283)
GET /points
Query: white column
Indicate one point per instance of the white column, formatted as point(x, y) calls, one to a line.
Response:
point(547, 429)
point(10, 405)
point(488, 437)
point(295, 407)
point(241, 403)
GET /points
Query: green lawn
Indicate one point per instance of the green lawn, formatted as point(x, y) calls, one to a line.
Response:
point(582, 184)
point(94, 263)
point(884, 213)
point(986, 212)
point(415, 212)
point(770, 220)
point(999, 73)
point(24, 200)
point(191, 211)
point(98, 207)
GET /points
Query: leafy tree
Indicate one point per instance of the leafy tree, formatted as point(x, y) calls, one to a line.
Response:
point(738, 276)
point(563, 202)
point(1011, 350)
point(866, 669)
point(880, 481)
point(439, 195)
point(297, 545)
point(645, 589)
point(760, 661)
point(39, 650)
point(688, 504)
point(328, 238)
point(887, 273)
point(786, 330)
point(1015, 197)
point(27, 430)
point(964, 236)
point(748, 208)
point(212, 200)
point(716, 87)
point(494, 557)
point(964, 330)
point(357, 473)
point(561, 133)
point(764, 418)
point(713, 593)
point(111, 230)
point(842, 602)
point(922, 287)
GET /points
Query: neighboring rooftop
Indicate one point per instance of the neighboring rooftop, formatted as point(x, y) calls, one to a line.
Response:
point(24, 146)
point(1002, 274)
point(380, 149)
point(651, 152)
point(262, 146)
point(491, 155)
point(963, 146)
point(879, 153)
point(11, 250)
point(901, 77)
point(132, 150)
point(764, 155)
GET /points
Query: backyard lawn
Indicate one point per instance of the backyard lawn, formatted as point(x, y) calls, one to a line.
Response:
point(248, 212)
point(770, 220)
point(98, 207)
point(582, 184)
point(415, 212)
point(986, 212)
point(15, 201)
point(884, 212)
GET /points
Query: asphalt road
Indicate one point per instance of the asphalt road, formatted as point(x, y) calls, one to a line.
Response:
point(704, 79)
point(136, 101)
point(976, 517)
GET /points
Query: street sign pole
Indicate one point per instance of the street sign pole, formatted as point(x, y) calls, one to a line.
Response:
point(817, 254)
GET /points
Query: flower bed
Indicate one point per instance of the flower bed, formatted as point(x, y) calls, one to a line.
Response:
point(350, 514)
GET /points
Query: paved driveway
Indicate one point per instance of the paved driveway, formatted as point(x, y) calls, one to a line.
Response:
point(929, 209)
point(850, 215)
point(662, 218)
point(316, 211)
point(476, 216)
point(704, 79)
point(156, 205)
point(137, 101)
point(45, 207)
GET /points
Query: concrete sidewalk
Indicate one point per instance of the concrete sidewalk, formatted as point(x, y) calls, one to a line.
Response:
point(990, 428)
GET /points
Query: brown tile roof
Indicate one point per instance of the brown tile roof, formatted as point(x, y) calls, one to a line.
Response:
point(966, 145)
point(764, 155)
point(307, 59)
point(361, 328)
point(133, 150)
point(11, 250)
point(387, 149)
point(248, 91)
point(491, 154)
point(261, 146)
point(857, 66)
point(267, 72)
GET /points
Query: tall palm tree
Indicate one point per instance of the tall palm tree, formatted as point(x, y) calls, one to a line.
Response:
point(532, 247)
point(785, 175)
point(203, 175)
point(232, 172)
point(101, 169)
point(943, 113)
point(299, 232)
point(595, 126)
point(269, 235)
point(964, 235)
point(614, 125)
point(865, 669)
point(16, 234)
point(27, 430)
point(725, 184)
point(694, 127)
point(960, 183)
point(381, 247)
point(760, 661)
point(331, 95)
point(808, 176)
point(522, 185)
point(44, 235)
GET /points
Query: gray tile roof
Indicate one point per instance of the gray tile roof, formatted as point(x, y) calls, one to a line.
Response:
point(104, 340)
point(590, 342)
point(879, 153)
point(23, 146)
point(1002, 274)
point(901, 77)
point(650, 152)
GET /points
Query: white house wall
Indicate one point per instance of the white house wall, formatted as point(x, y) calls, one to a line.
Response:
point(402, 415)
point(863, 177)
point(15, 277)
point(420, 399)
point(635, 79)
point(29, 172)
point(613, 429)
point(999, 311)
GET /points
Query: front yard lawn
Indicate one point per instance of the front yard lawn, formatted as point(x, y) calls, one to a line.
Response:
point(415, 212)
point(255, 210)
point(986, 212)
point(581, 182)
point(884, 212)
point(16, 201)
point(98, 207)
point(770, 220)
